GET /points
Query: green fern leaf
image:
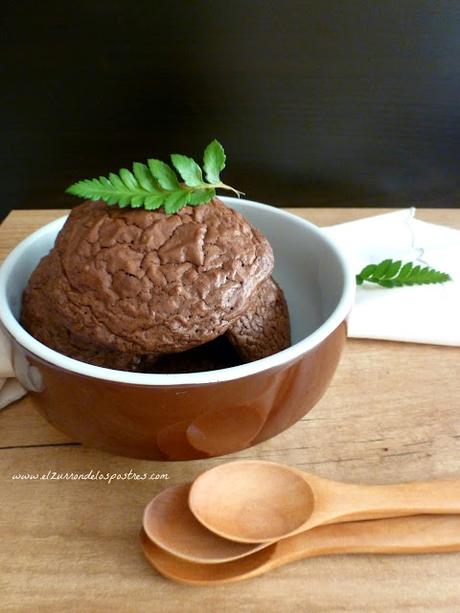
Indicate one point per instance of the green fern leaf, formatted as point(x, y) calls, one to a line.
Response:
point(164, 174)
point(155, 184)
point(214, 161)
point(202, 196)
point(188, 169)
point(394, 274)
point(145, 177)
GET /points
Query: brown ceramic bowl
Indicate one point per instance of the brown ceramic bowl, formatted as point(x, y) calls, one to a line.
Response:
point(197, 415)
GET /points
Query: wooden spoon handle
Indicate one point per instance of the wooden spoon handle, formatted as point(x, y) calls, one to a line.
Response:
point(420, 534)
point(339, 502)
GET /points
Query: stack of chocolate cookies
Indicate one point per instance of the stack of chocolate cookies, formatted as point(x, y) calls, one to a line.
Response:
point(139, 290)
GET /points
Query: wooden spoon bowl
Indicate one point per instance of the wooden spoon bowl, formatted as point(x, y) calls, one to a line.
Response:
point(254, 501)
point(169, 523)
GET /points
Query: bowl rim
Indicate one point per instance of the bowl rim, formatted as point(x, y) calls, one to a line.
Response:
point(281, 358)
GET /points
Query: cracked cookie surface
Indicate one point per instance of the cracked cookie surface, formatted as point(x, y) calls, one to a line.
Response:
point(264, 328)
point(141, 282)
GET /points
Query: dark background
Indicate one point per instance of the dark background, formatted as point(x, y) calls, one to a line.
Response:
point(318, 103)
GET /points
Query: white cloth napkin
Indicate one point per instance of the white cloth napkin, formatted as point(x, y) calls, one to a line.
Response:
point(417, 314)
point(10, 388)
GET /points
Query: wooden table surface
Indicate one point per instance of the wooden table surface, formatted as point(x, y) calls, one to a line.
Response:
point(390, 414)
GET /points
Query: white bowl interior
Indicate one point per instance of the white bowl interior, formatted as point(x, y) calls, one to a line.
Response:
point(305, 267)
point(38, 246)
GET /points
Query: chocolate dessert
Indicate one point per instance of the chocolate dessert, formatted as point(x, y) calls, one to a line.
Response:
point(264, 328)
point(123, 287)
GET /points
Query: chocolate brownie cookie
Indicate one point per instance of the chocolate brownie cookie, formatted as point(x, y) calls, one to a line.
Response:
point(136, 282)
point(264, 328)
point(40, 318)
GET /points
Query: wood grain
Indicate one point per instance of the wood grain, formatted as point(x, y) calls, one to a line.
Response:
point(390, 414)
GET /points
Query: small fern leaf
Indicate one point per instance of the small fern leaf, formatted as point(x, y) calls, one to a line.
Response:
point(156, 184)
point(391, 273)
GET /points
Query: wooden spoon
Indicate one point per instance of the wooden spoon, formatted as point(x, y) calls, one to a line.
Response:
point(170, 524)
point(420, 534)
point(252, 501)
